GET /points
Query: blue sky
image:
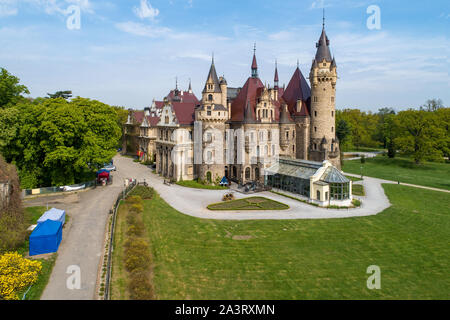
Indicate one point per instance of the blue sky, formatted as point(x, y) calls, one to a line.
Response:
point(128, 52)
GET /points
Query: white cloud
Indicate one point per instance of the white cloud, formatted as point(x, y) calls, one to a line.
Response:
point(146, 11)
point(8, 8)
point(140, 29)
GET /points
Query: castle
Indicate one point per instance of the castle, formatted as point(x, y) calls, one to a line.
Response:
point(296, 122)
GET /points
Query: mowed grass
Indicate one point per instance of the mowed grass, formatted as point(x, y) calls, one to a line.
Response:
point(358, 190)
point(197, 185)
point(252, 203)
point(119, 280)
point(430, 174)
point(304, 259)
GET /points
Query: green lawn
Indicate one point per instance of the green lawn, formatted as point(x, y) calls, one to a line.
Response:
point(197, 185)
point(252, 203)
point(304, 259)
point(429, 174)
point(32, 214)
point(358, 190)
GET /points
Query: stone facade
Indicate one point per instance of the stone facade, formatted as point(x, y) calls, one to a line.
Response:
point(296, 122)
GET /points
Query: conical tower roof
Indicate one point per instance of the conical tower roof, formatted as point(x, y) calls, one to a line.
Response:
point(323, 49)
point(212, 77)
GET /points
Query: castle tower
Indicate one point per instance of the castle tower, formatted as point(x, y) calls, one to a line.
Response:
point(213, 114)
point(212, 92)
point(323, 77)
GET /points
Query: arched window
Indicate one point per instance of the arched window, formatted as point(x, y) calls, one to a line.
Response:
point(256, 173)
point(247, 173)
point(210, 97)
point(209, 176)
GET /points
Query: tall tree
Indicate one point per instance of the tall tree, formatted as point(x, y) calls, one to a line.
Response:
point(10, 89)
point(419, 135)
point(432, 105)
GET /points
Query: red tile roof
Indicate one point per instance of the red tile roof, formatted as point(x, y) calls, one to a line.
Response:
point(247, 93)
point(297, 89)
point(153, 121)
point(139, 116)
point(185, 112)
point(184, 96)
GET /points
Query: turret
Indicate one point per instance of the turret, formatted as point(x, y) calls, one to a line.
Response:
point(223, 88)
point(212, 92)
point(323, 77)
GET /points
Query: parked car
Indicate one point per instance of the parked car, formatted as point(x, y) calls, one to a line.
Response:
point(110, 167)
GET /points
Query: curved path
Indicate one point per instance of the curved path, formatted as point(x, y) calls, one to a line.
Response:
point(193, 202)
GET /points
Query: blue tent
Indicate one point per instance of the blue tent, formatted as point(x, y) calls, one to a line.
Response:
point(53, 214)
point(224, 181)
point(46, 237)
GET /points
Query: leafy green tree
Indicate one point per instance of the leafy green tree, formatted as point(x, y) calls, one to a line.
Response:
point(61, 94)
point(10, 89)
point(60, 142)
point(419, 135)
point(342, 131)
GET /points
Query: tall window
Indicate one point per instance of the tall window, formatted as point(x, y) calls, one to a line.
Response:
point(210, 97)
point(247, 173)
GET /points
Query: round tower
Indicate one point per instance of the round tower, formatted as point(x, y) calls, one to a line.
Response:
point(323, 77)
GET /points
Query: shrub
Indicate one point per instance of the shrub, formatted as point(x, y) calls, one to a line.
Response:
point(136, 259)
point(363, 158)
point(142, 191)
point(135, 230)
point(139, 286)
point(137, 208)
point(16, 273)
point(134, 199)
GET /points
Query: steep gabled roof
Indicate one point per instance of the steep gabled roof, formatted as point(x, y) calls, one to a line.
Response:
point(247, 94)
point(297, 89)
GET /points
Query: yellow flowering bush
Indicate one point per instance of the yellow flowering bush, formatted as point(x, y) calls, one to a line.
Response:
point(16, 273)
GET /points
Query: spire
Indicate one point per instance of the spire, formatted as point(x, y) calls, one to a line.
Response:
point(323, 50)
point(176, 83)
point(275, 79)
point(323, 23)
point(212, 78)
point(298, 64)
point(254, 64)
point(190, 86)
